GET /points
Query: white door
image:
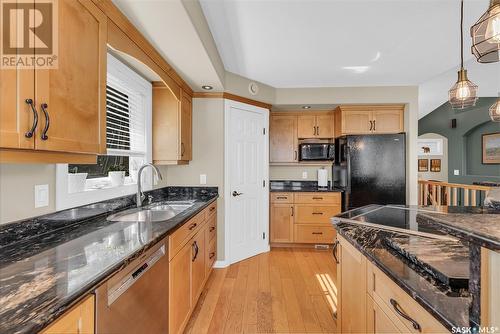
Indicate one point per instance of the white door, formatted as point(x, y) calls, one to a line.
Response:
point(246, 186)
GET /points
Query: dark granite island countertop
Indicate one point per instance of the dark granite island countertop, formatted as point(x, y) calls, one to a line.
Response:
point(51, 262)
point(300, 186)
point(424, 280)
point(478, 225)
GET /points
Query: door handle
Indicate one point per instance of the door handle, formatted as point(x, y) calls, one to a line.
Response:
point(335, 247)
point(317, 130)
point(30, 133)
point(183, 149)
point(399, 311)
point(314, 130)
point(44, 107)
point(371, 125)
point(374, 125)
point(295, 156)
point(235, 193)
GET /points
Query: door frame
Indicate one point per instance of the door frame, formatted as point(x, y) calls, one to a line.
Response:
point(228, 104)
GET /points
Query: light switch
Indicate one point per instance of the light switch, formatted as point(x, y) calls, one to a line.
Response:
point(203, 178)
point(456, 172)
point(304, 175)
point(41, 195)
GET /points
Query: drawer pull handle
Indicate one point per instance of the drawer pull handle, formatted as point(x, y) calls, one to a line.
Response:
point(281, 197)
point(317, 213)
point(399, 311)
point(318, 198)
point(335, 247)
point(211, 229)
point(212, 208)
point(196, 250)
point(319, 233)
point(211, 255)
point(192, 226)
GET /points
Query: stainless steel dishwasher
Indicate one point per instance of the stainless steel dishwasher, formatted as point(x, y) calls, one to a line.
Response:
point(135, 300)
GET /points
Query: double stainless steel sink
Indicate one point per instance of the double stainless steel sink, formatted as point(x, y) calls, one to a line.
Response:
point(152, 213)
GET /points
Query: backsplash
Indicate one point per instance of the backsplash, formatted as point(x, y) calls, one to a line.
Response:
point(295, 172)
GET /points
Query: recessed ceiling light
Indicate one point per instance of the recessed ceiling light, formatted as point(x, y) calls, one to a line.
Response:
point(207, 87)
point(357, 69)
point(306, 107)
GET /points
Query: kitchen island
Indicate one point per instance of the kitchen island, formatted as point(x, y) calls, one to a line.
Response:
point(417, 256)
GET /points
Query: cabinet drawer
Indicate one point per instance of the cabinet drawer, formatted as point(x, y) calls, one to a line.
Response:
point(385, 292)
point(281, 198)
point(317, 198)
point(377, 320)
point(212, 227)
point(315, 214)
point(211, 209)
point(177, 239)
point(211, 254)
point(305, 233)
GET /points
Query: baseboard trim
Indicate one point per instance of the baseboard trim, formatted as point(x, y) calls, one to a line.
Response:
point(221, 264)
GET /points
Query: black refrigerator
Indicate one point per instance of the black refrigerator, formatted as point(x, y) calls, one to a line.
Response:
point(371, 169)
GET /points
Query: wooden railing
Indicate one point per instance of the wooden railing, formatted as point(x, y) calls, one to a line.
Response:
point(450, 194)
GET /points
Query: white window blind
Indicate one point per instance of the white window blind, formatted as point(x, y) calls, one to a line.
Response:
point(125, 110)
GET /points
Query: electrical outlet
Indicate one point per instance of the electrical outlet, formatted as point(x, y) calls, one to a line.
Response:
point(203, 178)
point(304, 175)
point(456, 172)
point(41, 195)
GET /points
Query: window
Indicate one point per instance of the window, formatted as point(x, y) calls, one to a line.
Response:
point(128, 142)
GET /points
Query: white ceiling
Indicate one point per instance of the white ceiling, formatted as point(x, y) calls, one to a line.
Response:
point(320, 43)
point(168, 26)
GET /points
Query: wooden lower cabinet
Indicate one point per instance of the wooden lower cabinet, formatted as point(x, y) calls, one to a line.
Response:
point(190, 266)
point(78, 320)
point(377, 320)
point(303, 218)
point(370, 302)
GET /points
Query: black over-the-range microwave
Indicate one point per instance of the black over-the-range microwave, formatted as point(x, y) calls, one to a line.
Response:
point(316, 151)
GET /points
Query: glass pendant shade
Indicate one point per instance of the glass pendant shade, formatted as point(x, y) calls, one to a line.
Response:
point(486, 35)
point(495, 111)
point(463, 94)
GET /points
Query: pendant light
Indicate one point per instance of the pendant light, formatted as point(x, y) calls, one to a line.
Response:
point(495, 111)
point(486, 35)
point(463, 94)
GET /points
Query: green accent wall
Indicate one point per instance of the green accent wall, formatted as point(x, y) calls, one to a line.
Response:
point(464, 141)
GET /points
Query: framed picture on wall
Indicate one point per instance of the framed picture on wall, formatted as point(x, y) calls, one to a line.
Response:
point(423, 165)
point(491, 148)
point(430, 146)
point(435, 165)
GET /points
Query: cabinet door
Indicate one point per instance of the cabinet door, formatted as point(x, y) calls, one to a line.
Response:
point(376, 319)
point(79, 319)
point(356, 122)
point(74, 93)
point(352, 274)
point(198, 254)
point(387, 121)
point(16, 116)
point(281, 223)
point(306, 127)
point(324, 126)
point(179, 298)
point(283, 139)
point(185, 127)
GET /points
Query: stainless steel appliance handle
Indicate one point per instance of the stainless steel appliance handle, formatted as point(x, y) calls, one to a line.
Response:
point(117, 290)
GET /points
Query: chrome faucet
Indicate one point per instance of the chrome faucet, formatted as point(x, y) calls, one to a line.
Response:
point(140, 195)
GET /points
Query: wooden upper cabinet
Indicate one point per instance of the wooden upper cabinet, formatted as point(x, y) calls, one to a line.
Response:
point(324, 126)
point(172, 126)
point(315, 126)
point(71, 98)
point(283, 138)
point(388, 121)
point(16, 115)
point(369, 119)
point(186, 118)
point(306, 126)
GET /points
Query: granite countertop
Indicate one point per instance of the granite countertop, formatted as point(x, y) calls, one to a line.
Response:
point(51, 262)
point(300, 186)
point(428, 264)
point(478, 225)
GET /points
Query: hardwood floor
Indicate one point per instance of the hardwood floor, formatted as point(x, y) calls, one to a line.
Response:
point(284, 291)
